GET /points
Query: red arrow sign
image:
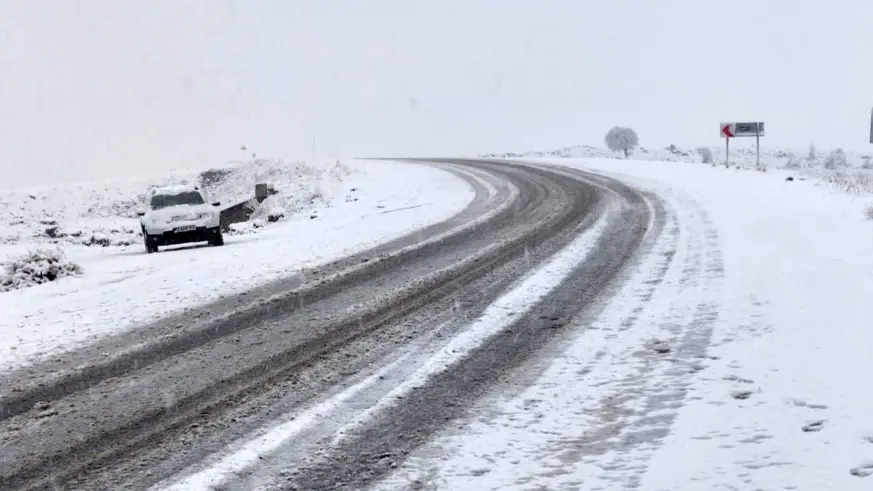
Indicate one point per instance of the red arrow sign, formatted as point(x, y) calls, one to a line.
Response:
point(727, 131)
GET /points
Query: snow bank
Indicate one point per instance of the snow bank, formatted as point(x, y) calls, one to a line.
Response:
point(298, 185)
point(35, 268)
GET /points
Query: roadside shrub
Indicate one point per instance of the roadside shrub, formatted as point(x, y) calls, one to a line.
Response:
point(857, 182)
point(35, 268)
point(339, 171)
point(792, 162)
point(210, 179)
point(836, 160)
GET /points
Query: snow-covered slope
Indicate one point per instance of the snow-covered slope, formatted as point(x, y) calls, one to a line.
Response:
point(104, 212)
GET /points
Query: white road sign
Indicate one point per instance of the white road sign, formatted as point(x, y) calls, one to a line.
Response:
point(734, 130)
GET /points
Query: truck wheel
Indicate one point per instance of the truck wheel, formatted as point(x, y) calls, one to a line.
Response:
point(151, 243)
point(217, 238)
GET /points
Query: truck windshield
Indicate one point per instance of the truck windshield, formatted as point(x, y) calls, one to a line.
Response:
point(188, 198)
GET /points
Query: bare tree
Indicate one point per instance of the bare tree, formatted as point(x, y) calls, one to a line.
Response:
point(620, 139)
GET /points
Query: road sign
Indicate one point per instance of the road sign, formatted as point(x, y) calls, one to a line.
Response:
point(756, 129)
point(735, 130)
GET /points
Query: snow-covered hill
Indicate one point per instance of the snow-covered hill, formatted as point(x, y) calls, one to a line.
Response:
point(103, 213)
point(47, 233)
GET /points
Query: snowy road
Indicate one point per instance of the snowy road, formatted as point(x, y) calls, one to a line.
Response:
point(173, 401)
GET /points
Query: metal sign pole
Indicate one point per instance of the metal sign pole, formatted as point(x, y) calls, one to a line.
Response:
point(757, 147)
point(727, 151)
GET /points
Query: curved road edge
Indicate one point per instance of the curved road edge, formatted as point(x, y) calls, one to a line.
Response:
point(411, 414)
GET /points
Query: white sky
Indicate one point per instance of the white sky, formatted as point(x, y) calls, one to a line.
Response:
point(95, 88)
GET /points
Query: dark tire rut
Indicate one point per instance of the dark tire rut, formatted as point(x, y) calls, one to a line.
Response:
point(376, 448)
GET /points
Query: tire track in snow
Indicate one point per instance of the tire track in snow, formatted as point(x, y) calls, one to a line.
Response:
point(505, 311)
point(660, 383)
point(640, 404)
point(599, 412)
point(376, 448)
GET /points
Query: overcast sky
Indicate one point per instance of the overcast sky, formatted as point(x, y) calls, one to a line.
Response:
point(96, 88)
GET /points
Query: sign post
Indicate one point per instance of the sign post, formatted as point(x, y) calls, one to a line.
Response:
point(871, 126)
point(757, 148)
point(727, 132)
point(733, 130)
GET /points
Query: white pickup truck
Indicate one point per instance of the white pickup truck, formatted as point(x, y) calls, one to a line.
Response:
point(180, 215)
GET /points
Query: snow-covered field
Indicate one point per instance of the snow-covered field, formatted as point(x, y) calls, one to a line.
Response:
point(850, 172)
point(742, 154)
point(737, 356)
point(336, 211)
